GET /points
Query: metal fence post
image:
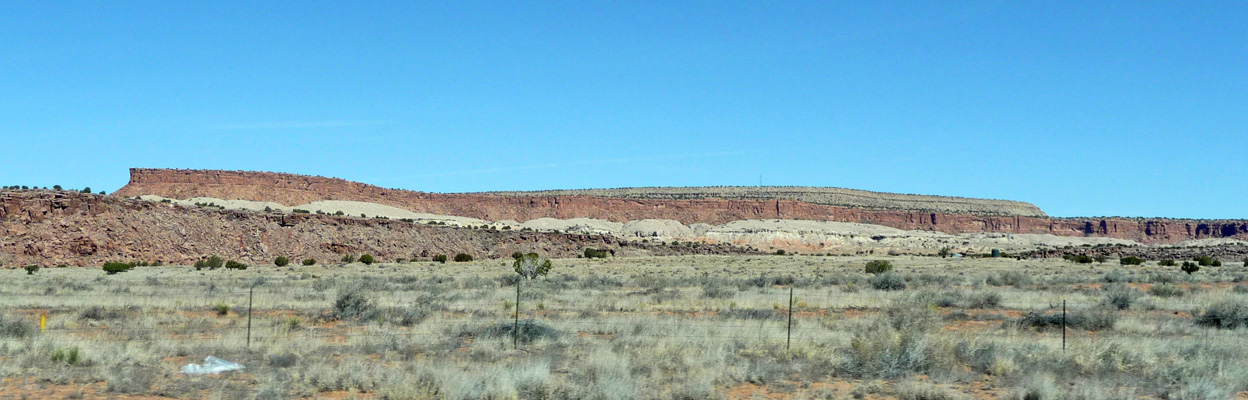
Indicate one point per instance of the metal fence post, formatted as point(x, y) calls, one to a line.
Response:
point(789, 341)
point(515, 327)
point(251, 293)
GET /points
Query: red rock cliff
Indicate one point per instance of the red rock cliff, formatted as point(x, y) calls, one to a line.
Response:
point(52, 228)
point(293, 190)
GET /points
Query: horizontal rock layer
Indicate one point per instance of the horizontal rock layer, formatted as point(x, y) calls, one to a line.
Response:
point(814, 195)
point(53, 228)
point(293, 189)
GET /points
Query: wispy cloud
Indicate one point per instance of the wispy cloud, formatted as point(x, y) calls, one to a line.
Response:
point(283, 125)
point(580, 163)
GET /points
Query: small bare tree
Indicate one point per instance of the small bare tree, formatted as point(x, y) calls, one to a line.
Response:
point(528, 266)
point(531, 265)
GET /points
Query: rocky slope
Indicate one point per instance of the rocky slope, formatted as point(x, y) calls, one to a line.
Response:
point(54, 228)
point(824, 196)
point(690, 206)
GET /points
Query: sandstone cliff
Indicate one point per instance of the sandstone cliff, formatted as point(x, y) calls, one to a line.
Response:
point(840, 197)
point(689, 206)
point(53, 228)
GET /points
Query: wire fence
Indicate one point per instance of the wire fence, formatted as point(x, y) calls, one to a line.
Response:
point(795, 314)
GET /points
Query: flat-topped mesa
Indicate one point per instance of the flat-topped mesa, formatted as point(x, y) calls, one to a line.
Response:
point(713, 206)
point(292, 189)
point(830, 196)
point(46, 227)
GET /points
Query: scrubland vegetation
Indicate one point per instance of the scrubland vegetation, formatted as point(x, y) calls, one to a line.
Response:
point(624, 328)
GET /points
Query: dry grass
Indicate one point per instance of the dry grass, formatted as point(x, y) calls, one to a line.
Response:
point(679, 327)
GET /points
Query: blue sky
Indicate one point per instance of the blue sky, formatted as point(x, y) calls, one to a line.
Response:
point(1082, 108)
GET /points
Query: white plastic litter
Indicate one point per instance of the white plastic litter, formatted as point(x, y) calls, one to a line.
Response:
point(212, 365)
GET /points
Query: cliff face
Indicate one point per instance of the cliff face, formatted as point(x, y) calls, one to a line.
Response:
point(297, 189)
point(53, 228)
point(850, 198)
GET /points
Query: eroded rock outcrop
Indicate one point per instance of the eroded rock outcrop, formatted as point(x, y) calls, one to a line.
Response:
point(53, 228)
point(686, 205)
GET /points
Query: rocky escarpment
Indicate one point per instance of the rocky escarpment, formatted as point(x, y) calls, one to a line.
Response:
point(840, 197)
point(628, 205)
point(53, 228)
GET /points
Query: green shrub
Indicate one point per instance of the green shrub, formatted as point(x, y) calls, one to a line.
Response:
point(1228, 314)
point(714, 291)
point(1165, 290)
point(440, 258)
point(1096, 319)
point(1078, 258)
point(309, 261)
point(882, 351)
point(31, 269)
point(411, 316)
point(86, 190)
point(1119, 296)
point(281, 261)
point(352, 305)
point(235, 265)
point(589, 253)
point(528, 331)
point(780, 252)
point(461, 257)
point(16, 328)
point(340, 213)
point(200, 265)
point(67, 355)
point(927, 391)
point(222, 309)
point(1216, 263)
point(348, 258)
point(299, 211)
point(283, 360)
point(98, 313)
point(888, 281)
point(1189, 267)
point(1204, 261)
point(750, 313)
point(112, 268)
point(214, 262)
point(1166, 263)
point(367, 259)
point(1116, 276)
point(984, 300)
point(1016, 279)
point(877, 267)
point(1132, 260)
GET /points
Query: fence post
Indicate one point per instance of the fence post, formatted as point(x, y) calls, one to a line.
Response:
point(789, 341)
point(1063, 325)
point(251, 293)
point(515, 327)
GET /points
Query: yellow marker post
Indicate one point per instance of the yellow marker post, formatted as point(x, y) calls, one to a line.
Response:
point(43, 322)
